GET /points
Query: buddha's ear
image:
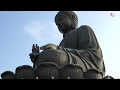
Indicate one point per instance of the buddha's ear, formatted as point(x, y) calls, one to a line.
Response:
point(73, 24)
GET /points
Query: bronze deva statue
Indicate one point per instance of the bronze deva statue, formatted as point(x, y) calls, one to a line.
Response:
point(78, 51)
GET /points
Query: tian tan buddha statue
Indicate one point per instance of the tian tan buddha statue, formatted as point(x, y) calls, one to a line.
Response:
point(78, 56)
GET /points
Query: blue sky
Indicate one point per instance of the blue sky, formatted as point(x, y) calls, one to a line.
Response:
point(20, 29)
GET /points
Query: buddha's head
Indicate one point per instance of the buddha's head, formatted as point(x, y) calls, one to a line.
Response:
point(66, 20)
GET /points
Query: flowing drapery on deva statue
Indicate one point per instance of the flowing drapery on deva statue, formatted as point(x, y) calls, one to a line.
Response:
point(78, 56)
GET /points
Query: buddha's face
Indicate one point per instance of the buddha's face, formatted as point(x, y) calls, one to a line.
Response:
point(63, 22)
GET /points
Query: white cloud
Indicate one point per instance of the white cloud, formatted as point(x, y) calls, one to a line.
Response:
point(44, 32)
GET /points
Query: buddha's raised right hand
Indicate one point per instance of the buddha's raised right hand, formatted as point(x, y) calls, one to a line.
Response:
point(35, 53)
point(35, 49)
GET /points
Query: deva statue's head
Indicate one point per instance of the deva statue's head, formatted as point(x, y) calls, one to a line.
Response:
point(72, 16)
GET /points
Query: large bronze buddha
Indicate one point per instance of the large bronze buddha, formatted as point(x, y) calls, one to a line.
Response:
point(77, 53)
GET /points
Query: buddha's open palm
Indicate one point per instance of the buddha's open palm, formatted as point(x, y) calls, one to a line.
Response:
point(35, 51)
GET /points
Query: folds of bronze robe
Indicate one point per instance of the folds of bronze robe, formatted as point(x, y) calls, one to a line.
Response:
point(82, 47)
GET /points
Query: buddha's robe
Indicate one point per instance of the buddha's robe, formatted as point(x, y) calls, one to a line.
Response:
point(80, 46)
